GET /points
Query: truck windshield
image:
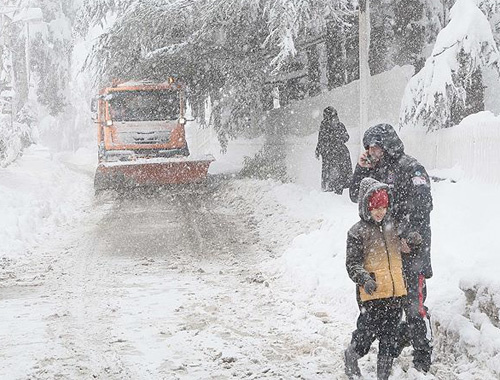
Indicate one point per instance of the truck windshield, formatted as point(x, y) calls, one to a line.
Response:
point(145, 105)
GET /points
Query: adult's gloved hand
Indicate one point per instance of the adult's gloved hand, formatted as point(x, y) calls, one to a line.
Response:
point(364, 160)
point(370, 286)
point(414, 239)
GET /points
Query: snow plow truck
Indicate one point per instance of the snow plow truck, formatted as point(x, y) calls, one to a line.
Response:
point(141, 137)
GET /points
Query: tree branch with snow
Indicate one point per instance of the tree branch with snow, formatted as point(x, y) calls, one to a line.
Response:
point(223, 49)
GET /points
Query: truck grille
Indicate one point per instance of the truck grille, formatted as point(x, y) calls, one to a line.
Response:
point(154, 137)
point(143, 132)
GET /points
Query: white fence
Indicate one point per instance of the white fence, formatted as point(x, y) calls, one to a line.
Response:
point(473, 147)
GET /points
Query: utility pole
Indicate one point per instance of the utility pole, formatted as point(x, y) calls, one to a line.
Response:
point(364, 68)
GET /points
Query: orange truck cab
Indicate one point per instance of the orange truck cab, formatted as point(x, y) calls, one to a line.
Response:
point(141, 120)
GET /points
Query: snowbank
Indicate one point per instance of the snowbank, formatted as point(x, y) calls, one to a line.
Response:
point(310, 228)
point(39, 193)
point(13, 139)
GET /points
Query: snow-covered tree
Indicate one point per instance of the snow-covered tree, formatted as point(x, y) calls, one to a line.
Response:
point(382, 35)
point(449, 86)
point(51, 48)
point(36, 50)
point(15, 131)
point(491, 8)
point(224, 50)
point(403, 32)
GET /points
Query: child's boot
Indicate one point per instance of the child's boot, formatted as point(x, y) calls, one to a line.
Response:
point(351, 363)
point(422, 360)
point(384, 366)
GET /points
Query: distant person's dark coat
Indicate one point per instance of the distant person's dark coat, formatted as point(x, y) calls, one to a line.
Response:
point(336, 160)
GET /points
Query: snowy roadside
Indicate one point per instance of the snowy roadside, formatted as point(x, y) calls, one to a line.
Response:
point(39, 194)
point(310, 228)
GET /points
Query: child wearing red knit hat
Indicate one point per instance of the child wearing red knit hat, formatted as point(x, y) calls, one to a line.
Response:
point(373, 262)
point(379, 198)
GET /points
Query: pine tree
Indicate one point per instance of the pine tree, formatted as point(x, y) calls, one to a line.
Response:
point(51, 49)
point(491, 8)
point(381, 36)
point(408, 31)
point(449, 86)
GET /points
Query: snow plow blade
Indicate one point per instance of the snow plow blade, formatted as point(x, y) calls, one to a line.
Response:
point(150, 172)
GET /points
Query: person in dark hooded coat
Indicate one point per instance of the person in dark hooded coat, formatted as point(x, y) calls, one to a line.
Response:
point(409, 184)
point(336, 161)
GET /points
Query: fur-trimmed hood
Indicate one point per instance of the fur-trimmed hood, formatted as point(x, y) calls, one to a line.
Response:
point(366, 188)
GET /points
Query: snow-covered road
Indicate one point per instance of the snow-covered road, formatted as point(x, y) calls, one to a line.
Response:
point(161, 286)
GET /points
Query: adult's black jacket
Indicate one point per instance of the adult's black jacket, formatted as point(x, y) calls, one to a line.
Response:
point(410, 188)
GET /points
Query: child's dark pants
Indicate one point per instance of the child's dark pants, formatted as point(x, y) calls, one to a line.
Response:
point(379, 319)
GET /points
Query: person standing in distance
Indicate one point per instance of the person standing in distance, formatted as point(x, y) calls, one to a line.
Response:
point(384, 159)
point(336, 166)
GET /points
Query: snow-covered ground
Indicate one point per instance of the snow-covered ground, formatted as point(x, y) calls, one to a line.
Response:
point(464, 253)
